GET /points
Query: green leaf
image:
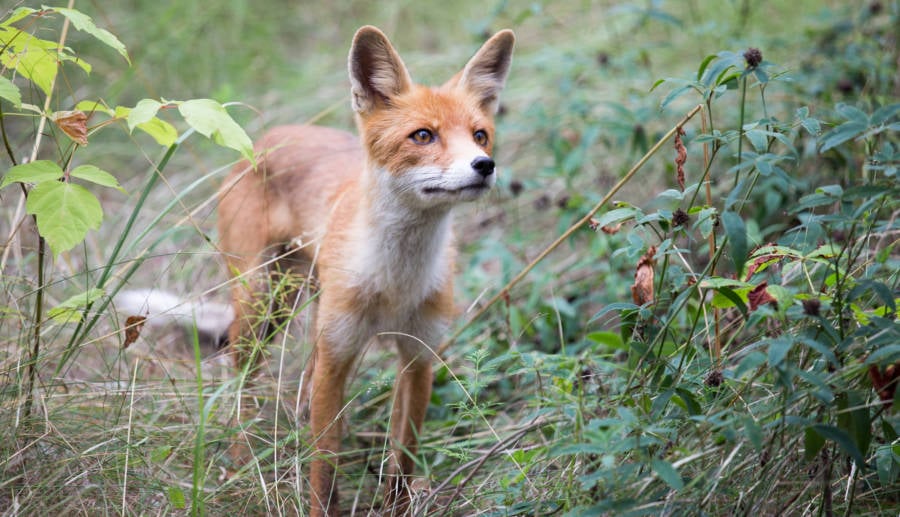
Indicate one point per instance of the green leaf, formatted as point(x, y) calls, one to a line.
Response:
point(164, 133)
point(84, 23)
point(703, 65)
point(38, 171)
point(616, 215)
point(705, 221)
point(143, 112)
point(608, 339)
point(17, 15)
point(65, 212)
point(96, 175)
point(730, 295)
point(753, 432)
point(143, 117)
point(842, 439)
point(843, 133)
point(34, 63)
point(737, 240)
point(210, 119)
point(812, 443)
point(778, 349)
point(667, 473)
point(853, 418)
point(70, 310)
point(10, 92)
point(176, 498)
point(92, 107)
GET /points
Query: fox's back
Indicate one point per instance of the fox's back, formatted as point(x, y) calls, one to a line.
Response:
point(299, 171)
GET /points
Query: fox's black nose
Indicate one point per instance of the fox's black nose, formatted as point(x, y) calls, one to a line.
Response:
point(483, 166)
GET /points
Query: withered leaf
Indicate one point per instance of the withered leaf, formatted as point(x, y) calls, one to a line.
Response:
point(642, 290)
point(759, 296)
point(73, 124)
point(680, 158)
point(761, 260)
point(133, 327)
point(885, 383)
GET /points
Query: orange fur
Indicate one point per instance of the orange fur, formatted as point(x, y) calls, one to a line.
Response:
point(374, 218)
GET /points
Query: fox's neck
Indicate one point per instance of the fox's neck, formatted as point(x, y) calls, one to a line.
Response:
point(404, 249)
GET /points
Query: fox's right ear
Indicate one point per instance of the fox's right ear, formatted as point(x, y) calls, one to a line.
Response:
point(376, 71)
point(485, 74)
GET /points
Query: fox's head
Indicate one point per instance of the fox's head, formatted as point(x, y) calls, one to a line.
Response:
point(429, 146)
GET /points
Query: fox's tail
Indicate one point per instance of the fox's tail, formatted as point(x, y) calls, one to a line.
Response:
point(161, 308)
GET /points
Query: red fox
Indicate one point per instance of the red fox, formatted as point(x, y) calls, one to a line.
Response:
point(376, 212)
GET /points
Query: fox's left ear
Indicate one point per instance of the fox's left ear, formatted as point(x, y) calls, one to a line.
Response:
point(485, 74)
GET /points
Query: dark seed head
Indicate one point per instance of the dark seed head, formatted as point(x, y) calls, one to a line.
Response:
point(753, 57)
point(811, 306)
point(516, 187)
point(680, 218)
point(714, 379)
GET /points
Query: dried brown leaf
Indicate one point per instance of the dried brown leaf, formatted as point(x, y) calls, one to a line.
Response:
point(642, 290)
point(680, 158)
point(73, 124)
point(885, 383)
point(759, 296)
point(133, 327)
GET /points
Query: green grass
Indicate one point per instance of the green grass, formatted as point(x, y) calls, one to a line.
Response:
point(563, 399)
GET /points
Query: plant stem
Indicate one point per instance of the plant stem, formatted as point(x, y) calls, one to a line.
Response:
point(38, 314)
point(42, 246)
point(81, 329)
point(562, 238)
point(740, 155)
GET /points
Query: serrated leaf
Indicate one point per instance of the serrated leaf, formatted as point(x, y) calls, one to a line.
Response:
point(65, 212)
point(843, 133)
point(70, 310)
point(737, 240)
point(17, 15)
point(84, 23)
point(757, 138)
point(143, 112)
point(667, 473)
point(705, 220)
point(164, 133)
point(209, 118)
point(10, 92)
point(93, 107)
point(616, 215)
point(34, 172)
point(96, 175)
point(34, 63)
point(853, 113)
point(884, 113)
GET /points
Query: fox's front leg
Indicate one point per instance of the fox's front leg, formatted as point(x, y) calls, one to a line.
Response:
point(329, 377)
point(412, 391)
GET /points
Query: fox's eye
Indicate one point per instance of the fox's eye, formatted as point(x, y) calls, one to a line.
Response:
point(480, 137)
point(422, 136)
